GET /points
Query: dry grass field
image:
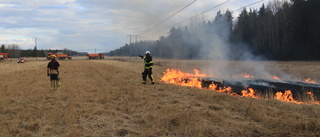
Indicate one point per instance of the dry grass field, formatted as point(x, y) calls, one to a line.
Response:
point(105, 98)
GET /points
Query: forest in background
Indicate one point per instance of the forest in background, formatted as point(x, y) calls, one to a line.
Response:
point(281, 30)
point(15, 51)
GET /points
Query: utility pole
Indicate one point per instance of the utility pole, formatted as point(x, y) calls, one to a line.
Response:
point(130, 37)
point(35, 42)
point(136, 37)
point(135, 44)
point(35, 50)
point(130, 43)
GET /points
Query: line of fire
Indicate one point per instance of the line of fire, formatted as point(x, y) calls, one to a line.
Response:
point(299, 92)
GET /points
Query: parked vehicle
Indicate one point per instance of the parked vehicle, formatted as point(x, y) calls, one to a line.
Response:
point(49, 56)
point(4, 56)
point(63, 56)
point(22, 60)
point(59, 56)
point(96, 56)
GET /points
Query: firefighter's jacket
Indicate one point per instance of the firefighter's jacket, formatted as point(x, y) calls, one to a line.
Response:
point(148, 63)
point(53, 65)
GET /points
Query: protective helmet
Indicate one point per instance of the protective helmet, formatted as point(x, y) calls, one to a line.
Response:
point(147, 52)
point(53, 56)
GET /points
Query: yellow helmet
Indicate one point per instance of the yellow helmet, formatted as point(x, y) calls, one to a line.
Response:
point(53, 56)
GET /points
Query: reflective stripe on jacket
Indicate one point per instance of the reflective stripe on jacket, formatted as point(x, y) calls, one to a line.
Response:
point(148, 63)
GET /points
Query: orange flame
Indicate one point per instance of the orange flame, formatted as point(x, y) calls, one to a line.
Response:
point(220, 89)
point(275, 77)
point(251, 93)
point(312, 98)
point(286, 97)
point(181, 78)
point(245, 75)
point(178, 77)
point(310, 81)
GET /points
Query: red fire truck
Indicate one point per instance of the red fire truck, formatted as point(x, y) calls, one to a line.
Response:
point(4, 56)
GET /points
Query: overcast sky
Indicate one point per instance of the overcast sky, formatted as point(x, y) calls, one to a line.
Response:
point(104, 25)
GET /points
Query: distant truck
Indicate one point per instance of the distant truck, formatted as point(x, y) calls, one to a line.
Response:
point(4, 56)
point(63, 56)
point(59, 56)
point(49, 56)
point(96, 56)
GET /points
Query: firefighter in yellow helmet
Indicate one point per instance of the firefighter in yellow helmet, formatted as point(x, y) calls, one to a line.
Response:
point(53, 72)
point(148, 64)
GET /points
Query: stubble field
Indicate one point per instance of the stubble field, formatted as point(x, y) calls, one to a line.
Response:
point(106, 98)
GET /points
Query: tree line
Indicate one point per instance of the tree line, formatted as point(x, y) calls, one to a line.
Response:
point(15, 51)
point(281, 30)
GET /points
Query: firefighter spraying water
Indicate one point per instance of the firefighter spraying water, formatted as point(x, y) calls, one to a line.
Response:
point(148, 64)
point(53, 72)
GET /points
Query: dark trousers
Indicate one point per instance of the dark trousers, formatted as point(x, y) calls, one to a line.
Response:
point(54, 77)
point(147, 72)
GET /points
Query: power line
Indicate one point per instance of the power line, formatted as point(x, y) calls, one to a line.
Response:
point(207, 11)
point(247, 5)
point(169, 17)
point(194, 16)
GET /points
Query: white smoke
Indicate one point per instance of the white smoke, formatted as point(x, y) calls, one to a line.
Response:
point(215, 46)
